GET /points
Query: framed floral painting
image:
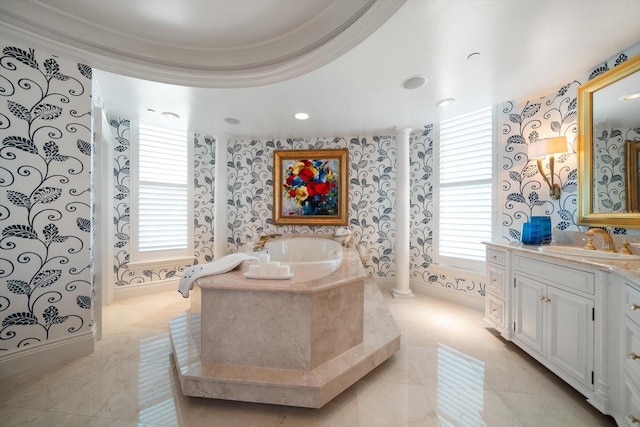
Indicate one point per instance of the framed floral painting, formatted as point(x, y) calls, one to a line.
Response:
point(310, 187)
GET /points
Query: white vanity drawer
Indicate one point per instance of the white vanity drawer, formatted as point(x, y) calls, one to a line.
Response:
point(631, 404)
point(497, 281)
point(496, 257)
point(632, 351)
point(494, 311)
point(563, 277)
point(632, 303)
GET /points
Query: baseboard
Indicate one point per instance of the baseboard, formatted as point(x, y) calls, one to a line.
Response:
point(35, 357)
point(463, 299)
point(143, 289)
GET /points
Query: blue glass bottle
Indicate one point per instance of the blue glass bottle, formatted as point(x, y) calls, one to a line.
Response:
point(545, 228)
point(531, 234)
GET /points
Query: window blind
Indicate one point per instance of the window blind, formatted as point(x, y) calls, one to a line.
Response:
point(465, 168)
point(162, 189)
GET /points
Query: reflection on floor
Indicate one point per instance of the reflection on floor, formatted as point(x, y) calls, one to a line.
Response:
point(450, 371)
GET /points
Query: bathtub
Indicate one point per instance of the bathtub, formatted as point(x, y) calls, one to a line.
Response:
point(312, 257)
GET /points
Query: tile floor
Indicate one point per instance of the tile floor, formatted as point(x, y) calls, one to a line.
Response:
point(450, 371)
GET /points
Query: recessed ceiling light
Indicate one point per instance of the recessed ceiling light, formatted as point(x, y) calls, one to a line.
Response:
point(444, 103)
point(414, 82)
point(473, 55)
point(634, 95)
point(232, 121)
point(151, 110)
point(301, 116)
point(169, 115)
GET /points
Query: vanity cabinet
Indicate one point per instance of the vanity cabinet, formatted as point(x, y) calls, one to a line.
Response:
point(580, 319)
point(556, 311)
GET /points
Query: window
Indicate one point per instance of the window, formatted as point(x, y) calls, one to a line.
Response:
point(161, 206)
point(464, 200)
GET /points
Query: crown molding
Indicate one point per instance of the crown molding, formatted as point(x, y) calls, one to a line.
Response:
point(339, 28)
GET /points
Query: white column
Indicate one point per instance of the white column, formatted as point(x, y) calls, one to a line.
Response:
point(220, 199)
point(403, 217)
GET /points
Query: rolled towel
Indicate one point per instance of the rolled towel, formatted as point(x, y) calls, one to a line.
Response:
point(219, 266)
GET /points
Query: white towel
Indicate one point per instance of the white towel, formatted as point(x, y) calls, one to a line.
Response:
point(219, 266)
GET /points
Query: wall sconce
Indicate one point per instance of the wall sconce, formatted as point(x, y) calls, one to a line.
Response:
point(544, 147)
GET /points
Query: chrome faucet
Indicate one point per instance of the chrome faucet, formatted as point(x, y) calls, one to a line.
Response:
point(608, 245)
point(263, 239)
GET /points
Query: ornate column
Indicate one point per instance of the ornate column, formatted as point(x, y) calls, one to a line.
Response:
point(403, 218)
point(220, 198)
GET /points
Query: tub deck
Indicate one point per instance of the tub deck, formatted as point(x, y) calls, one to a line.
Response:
point(297, 342)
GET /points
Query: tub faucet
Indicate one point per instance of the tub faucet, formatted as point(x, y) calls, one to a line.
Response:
point(263, 239)
point(608, 245)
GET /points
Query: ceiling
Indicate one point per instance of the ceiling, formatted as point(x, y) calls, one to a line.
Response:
point(342, 62)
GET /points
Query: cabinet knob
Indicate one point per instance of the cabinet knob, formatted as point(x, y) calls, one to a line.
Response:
point(634, 356)
point(634, 306)
point(634, 420)
point(543, 298)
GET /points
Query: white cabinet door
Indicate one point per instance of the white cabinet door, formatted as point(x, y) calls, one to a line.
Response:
point(530, 313)
point(570, 333)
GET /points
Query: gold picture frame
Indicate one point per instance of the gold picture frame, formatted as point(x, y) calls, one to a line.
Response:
point(310, 187)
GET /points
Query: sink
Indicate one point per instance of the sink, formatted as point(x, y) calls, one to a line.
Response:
point(573, 251)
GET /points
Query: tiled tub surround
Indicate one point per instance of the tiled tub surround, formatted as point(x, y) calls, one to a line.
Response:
point(303, 341)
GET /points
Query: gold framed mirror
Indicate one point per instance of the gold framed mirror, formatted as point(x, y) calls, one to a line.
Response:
point(608, 129)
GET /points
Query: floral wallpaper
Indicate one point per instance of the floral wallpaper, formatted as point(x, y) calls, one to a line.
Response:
point(524, 192)
point(610, 180)
point(422, 203)
point(204, 203)
point(204, 167)
point(121, 219)
point(46, 284)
